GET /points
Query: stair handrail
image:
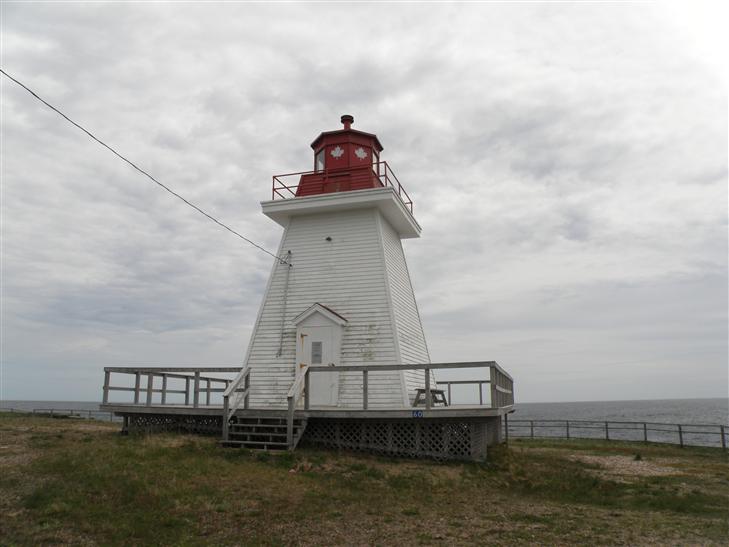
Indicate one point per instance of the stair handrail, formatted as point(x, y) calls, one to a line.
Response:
point(239, 394)
point(293, 397)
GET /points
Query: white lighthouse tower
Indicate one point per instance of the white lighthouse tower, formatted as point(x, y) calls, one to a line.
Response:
point(343, 295)
point(337, 357)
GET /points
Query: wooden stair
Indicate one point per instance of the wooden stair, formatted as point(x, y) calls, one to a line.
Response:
point(263, 433)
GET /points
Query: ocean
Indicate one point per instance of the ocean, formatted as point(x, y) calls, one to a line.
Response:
point(661, 416)
point(690, 412)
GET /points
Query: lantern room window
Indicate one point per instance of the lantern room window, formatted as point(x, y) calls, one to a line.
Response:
point(319, 161)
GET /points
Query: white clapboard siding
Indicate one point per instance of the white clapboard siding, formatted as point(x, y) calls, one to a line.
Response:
point(361, 274)
point(347, 274)
point(410, 337)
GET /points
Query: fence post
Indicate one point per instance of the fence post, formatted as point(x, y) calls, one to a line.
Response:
point(645, 432)
point(290, 425)
point(137, 378)
point(107, 379)
point(207, 395)
point(365, 389)
point(680, 435)
point(307, 387)
point(225, 417)
point(150, 385)
point(531, 427)
point(196, 390)
point(164, 389)
point(187, 391)
point(607, 434)
point(567, 423)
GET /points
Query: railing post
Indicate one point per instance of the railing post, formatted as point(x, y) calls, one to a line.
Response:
point(290, 425)
point(187, 391)
point(723, 438)
point(567, 424)
point(107, 380)
point(365, 390)
point(645, 432)
point(307, 387)
point(607, 434)
point(531, 428)
point(150, 385)
point(226, 407)
point(137, 378)
point(450, 402)
point(207, 395)
point(680, 435)
point(164, 389)
point(246, 386)
point(480, 394)
point(428, 401)
point(494, 391)
point(196, 390)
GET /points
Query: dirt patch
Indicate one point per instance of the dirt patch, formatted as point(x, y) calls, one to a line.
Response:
point(625, 466)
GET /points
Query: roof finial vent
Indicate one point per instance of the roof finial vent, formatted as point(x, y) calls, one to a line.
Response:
point(347, 120)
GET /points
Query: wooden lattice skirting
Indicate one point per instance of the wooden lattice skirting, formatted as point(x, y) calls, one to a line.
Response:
point(157, 423)
point(439, 439)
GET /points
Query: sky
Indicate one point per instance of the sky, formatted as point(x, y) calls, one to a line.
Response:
point(567, 161)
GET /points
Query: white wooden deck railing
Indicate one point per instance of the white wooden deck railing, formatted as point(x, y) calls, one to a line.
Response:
point(240, 389)
point(196, 384)
point(502, 385)
point(236, 391)
point(300, 385)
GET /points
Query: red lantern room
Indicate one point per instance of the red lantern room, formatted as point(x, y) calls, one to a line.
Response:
point(344, 160)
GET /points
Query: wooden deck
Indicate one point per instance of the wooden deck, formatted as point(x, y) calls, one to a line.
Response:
point(452, 430)
point(466, 411)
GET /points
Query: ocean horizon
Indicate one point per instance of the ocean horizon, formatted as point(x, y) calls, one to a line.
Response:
point(709, 410)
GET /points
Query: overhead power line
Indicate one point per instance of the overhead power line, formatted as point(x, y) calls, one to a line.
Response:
point(145, 173)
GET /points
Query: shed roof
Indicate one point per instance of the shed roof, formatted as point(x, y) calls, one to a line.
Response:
point(323, 310)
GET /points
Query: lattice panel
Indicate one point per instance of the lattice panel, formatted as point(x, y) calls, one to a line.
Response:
point(437, 439)
point(155, 423)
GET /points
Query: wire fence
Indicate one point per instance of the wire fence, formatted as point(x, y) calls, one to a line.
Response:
point(100, 415)
point(681, 434)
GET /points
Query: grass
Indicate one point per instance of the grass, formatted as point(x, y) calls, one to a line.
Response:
point(79, 482)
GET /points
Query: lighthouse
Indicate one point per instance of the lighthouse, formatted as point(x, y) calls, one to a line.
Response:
point(341, 293)
point(337, 356)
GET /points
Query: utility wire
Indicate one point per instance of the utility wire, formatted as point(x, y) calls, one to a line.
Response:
point(161, 185)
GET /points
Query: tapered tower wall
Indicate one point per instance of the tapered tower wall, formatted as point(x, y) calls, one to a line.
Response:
point(361, 274)
point(410, 339)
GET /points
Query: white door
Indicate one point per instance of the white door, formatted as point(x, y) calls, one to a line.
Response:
point(317, 345)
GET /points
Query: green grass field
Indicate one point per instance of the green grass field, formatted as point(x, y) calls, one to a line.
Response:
point(66, 481)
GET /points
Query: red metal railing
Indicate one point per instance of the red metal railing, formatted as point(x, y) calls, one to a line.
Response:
point(283, 187)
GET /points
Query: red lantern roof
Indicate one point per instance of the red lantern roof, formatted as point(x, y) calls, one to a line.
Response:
point(345, 160)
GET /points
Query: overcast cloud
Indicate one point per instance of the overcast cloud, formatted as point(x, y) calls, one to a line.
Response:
point(568, 164)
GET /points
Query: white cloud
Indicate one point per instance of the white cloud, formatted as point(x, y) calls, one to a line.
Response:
point(568, 163)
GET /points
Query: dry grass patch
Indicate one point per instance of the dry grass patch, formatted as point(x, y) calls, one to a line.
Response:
point(620, 467)
point(81, 483)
